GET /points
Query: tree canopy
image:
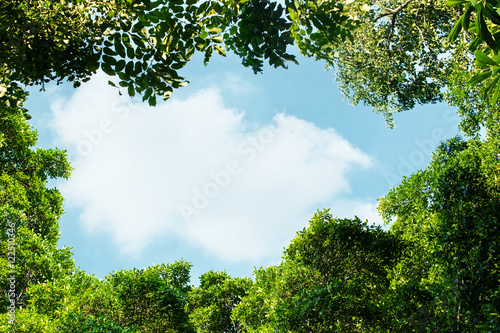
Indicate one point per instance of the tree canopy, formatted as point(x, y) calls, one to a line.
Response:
point(434, 268)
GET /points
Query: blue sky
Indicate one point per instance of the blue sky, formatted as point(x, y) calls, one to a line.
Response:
point(228, 170)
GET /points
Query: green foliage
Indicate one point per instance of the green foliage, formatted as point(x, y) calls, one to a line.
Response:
point(259, 31)
point(436, 269)
point(210, 305)
point(144, 43)
point(27, 321)
point(485, 27)
point(388, 54)
point(332, 278)
point(46, 40)
point(152, 299)
point(77, 322)
point(29, 211)
point(451, 210)
point(319, 27)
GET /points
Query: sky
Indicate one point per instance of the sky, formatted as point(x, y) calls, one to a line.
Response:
point(226, 172)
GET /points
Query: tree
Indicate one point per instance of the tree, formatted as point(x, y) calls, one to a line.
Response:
point(142, 42)
point(396, 55)
point(210, 306)
point(332, 278)
point(451, 209)
point(474, 32)
point(485, 26)
point(152, 299)
point(29, 211)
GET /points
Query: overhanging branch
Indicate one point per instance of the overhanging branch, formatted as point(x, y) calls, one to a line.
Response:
point(394, 13)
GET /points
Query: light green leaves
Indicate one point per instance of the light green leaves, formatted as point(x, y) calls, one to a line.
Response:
point(332, 278)
point(455, 2)
point(211, 305)
point(486, 26)
point(491, 68)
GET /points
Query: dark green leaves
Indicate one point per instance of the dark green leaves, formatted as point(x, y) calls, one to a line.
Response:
point(332, 278)
point(211, 305)
point(260, 32)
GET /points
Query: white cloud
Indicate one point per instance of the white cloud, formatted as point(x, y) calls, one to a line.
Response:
point(195, 169)
point(343, 208)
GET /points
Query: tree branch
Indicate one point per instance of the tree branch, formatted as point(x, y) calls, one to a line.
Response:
point(394, 12)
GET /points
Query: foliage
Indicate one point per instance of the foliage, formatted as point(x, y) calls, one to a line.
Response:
point(394, 56)
point(211, 304)
point(74, 323)
point(319, 27)
point(29, 210)
point(27, 321)
point(451, 210)
point(332, 278)
point(259, 31)
point(144, 43)
point(153, 299)
point(436, 269)
point(484, 25)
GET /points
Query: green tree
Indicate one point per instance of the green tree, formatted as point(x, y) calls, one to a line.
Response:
point(396, 56)
point(211, 304)
point(333, 278)
point(451, 209)
point(144, 43)
point(29, 211)
point(482, 19)
point(152, 299)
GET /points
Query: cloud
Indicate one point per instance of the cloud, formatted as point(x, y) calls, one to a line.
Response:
point(365, 210)
point(196, 169)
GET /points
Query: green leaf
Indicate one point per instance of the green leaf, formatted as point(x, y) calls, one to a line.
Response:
point(476, 79)
point(119, 48)
point(466, 17)
point(494, 98)
point(455, 31)
point(130, 52)
point(109, 60)
point(129, 68)
point(109, 51)
point(474, 44)
point(215, 30)
point(490, 86)
point(217, 39)
point(120, 65)
point(152, 100)
point(486, 34)
point(483, 58)
point(455, 2)
point(492, 15)
point(204, 34)
point(147, 94)
point(297, 5)
point(131, 90)
point(208, 54)
point(190, 52)
point(106, 68)
point(178, 65)
point(220, 50)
